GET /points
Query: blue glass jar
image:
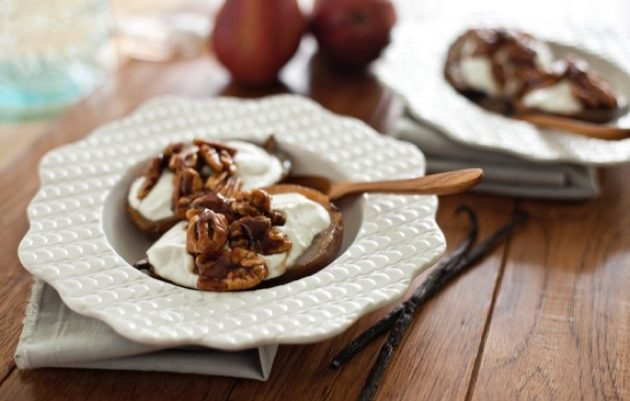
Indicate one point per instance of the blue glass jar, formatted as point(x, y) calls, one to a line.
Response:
point(52, 53)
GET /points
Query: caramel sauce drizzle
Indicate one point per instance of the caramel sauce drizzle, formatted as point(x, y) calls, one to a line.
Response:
point(512, 53)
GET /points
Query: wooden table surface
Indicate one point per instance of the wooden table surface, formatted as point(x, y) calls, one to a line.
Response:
point(545, 317)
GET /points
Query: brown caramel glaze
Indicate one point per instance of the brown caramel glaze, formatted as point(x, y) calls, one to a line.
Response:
point(325, 246)
point(322, 251)
point(601, 105)
point(229, 241)
point(509, 107)
point(453, 75)
point(155, 229)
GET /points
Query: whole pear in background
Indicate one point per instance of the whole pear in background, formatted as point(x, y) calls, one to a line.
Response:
point(352, 33)
point(254, 39)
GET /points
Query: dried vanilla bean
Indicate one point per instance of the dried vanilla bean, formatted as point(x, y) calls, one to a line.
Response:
point(403, 322)
point(435, 280)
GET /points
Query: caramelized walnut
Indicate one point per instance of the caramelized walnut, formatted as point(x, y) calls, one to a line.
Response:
point(589, 88)
point(207, 232)
point(515, 46)
point(227, 236)
point(203, 166)
point(586, 86)
point(224, 183)
point(215, 202)
point(277, 217)
point(257, 234)
point(218, 156)
point(173, 148)
point(512, 57)
point(187, 181)
point(236, 269)
point(151, 176)
point(217, 145)
point(187, 158)
point(156, 165)
point(251, 203)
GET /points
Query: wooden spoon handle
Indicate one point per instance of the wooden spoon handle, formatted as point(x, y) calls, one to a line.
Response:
point(451, 182)
point(575, 126)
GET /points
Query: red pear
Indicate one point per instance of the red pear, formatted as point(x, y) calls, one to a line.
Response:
point(352, 33)
point(254, 39)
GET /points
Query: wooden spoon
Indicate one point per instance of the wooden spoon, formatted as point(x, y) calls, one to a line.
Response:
point(448, 183)
point(573, 126)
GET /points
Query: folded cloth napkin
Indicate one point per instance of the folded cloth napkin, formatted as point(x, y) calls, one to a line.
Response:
point(55, 336)
point(503, 174)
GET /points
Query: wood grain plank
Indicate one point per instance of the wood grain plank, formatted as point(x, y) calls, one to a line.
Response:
point(101, 385)
point(17, 136)
point(357, 95)
point(561, 326)
point(437, 357)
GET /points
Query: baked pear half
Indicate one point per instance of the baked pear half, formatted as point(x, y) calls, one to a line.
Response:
point(255, 239)
point(324, 247)
point(511, 72)
point(160, 195)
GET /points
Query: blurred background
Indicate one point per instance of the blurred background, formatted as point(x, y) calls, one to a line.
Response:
point(56, 52)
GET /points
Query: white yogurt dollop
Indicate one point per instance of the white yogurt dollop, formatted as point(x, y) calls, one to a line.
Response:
point(476, 72)
point(169, 257)
point(256, 167)
point(157, 204)
point(304, 220)
point(556, 98)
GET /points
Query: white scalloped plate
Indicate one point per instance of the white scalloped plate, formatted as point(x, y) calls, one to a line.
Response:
point(81, 242)
point(413, 66)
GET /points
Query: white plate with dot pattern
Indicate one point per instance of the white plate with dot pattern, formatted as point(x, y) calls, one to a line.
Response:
point(82, 243)
point(413, 66)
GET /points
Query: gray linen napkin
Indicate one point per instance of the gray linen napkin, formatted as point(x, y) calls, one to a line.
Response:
point(55, 336)
point(503, 174)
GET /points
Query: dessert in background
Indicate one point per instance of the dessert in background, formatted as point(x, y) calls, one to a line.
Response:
point(512, 72)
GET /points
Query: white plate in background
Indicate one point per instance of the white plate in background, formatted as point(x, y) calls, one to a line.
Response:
point(413, 66)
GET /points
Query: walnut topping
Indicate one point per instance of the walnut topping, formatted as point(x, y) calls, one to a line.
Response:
point(257, 234)
point(215, 202)
point(252, 203)
point(236, 269)
point(224, 183)
point(187, 181)
point(227, 236)
point(207, 232)
point(173, 148)
point(589, 88)
point(157, 164)
point(151, 176)
point(200, 167)
point(516, 46)
point(218, 156)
